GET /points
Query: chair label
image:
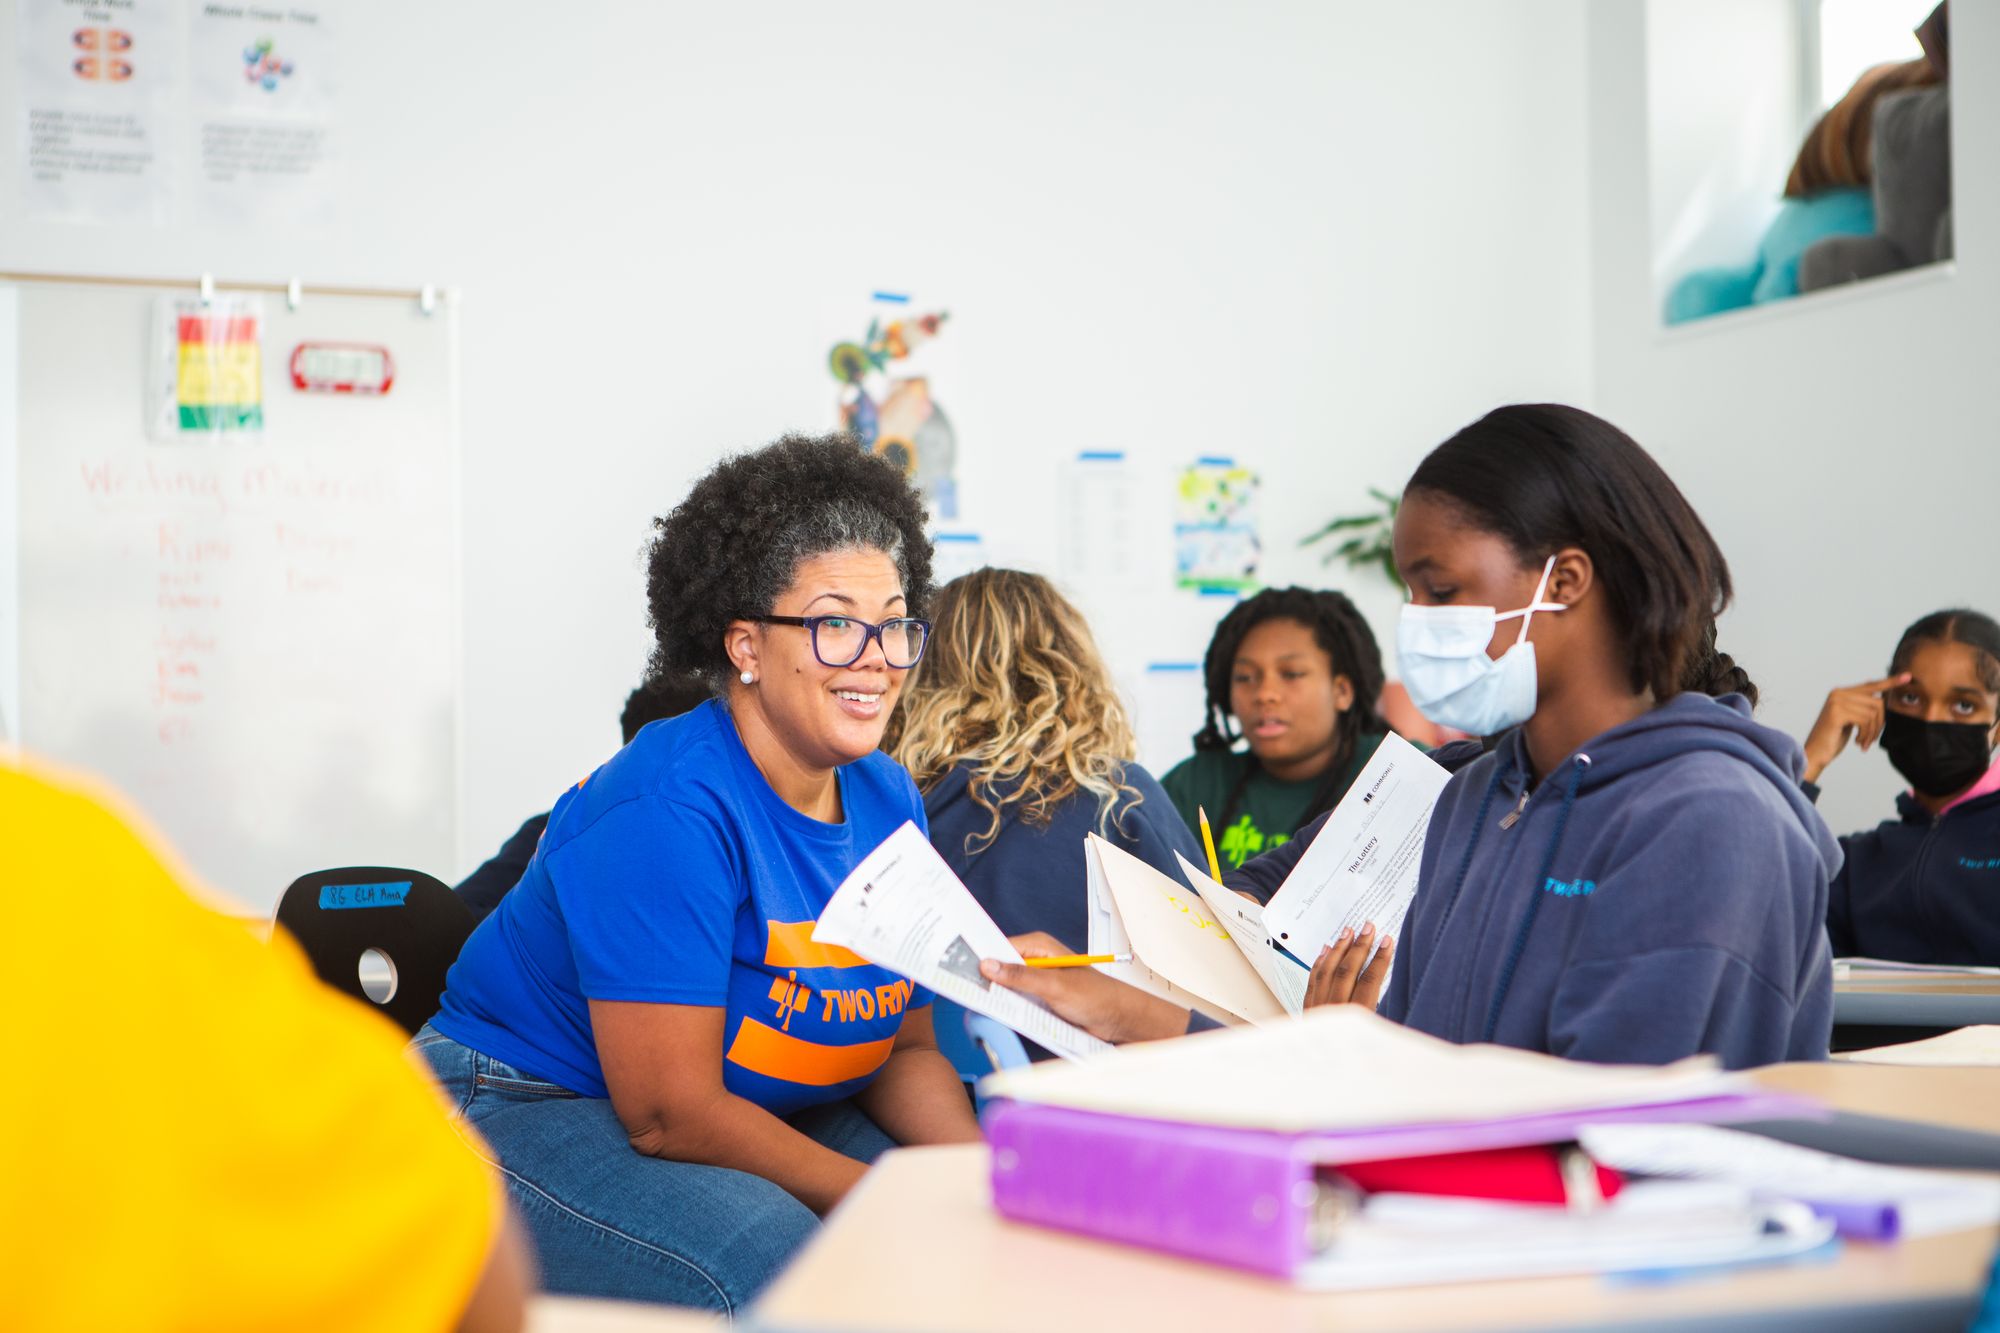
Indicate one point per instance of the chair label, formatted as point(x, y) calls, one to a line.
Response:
point(339, 897)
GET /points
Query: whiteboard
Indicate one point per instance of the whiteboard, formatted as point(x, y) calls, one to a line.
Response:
point(254, 637)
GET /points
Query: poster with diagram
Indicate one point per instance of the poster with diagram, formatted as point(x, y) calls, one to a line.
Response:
point(886, 398)
point(98, 84)
point(261, 88)
point(1216, 548)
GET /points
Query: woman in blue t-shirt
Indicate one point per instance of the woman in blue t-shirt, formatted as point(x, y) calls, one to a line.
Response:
point(675, 1076)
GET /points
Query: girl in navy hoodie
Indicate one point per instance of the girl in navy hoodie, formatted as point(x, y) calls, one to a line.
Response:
point(1923, 887)
point(1633, 873)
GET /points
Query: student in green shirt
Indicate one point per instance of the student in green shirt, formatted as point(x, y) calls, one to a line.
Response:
point(1294, 673)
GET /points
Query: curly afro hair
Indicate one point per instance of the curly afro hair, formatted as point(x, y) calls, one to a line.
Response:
point(735, 543)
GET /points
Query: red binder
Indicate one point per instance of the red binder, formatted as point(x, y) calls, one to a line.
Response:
point(1534, 1174)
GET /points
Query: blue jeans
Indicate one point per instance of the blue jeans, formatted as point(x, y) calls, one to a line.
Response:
point(610, 1222)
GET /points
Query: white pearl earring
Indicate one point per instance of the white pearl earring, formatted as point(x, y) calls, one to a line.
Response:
point(747, 678)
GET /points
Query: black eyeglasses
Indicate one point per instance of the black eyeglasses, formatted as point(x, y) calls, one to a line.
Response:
point(839, 641)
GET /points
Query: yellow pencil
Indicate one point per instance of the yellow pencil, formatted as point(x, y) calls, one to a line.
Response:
point(1078, 959)
point(1208, 845)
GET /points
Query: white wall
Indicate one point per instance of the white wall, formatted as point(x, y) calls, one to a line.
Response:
point(1844, 447)
point(1316, 236)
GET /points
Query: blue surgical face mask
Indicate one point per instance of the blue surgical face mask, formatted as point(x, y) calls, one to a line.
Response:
point(1441, 655)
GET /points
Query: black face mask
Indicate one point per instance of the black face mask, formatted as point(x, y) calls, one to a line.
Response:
point(1939, 758)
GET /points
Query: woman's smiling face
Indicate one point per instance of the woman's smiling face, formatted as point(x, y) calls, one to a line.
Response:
point(829, 716)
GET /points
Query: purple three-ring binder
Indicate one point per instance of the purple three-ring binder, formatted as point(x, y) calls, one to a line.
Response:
point(1243, 1197)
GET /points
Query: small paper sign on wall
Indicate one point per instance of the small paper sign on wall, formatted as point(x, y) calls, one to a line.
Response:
point(209, 368)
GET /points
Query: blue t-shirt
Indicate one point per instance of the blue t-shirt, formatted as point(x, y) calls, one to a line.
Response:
point(675, 875)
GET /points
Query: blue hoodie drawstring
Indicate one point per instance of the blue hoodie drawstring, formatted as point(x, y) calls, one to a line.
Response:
point(1578, 768)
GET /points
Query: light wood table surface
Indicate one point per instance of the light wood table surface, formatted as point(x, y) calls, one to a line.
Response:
point(918, 1246)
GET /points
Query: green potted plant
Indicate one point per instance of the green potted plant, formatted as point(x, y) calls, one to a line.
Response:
point(1364, 538)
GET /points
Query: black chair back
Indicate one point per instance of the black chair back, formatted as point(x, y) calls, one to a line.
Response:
point(411, 919)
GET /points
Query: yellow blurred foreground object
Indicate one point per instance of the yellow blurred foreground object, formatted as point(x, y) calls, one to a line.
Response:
point(198, 1134)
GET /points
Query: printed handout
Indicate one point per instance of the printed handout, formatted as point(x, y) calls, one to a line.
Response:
point(1362, 865)
point(903, 909)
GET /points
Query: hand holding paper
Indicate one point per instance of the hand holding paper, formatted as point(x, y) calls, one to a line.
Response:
point(1362, 866)
point(903, 909)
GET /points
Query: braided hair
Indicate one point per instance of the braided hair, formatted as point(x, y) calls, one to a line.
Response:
point(1339, 630)
point(1715, 673)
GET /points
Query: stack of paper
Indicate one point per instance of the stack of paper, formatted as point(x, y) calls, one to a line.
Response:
point(1403, 1239)
point(1844, 968)
point(1867, 1201)
point(1309, 1076)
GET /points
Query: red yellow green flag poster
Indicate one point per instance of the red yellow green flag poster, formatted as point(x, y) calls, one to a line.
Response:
point(211, 364)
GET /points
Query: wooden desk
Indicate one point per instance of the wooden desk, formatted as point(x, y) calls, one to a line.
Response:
point(918, 1246)
point(1916, 999)
point(1959, 1096)
point(569, 1314)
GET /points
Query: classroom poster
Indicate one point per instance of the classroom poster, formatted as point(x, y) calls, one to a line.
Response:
point(97, 80)
point(886, 399)
point(1101, 511)
point(261, 84)
point(208, 377)
point(1216, 548)
point(956, 554)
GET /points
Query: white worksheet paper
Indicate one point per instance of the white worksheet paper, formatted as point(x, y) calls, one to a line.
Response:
point(1179, 939)
point(1106, 933)
point(1362, 865)
point(903, 909)
point(1244, 920)
point(1927, 1202)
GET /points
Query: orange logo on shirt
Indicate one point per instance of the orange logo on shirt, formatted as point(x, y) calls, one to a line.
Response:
point(791, 998)
point(866, 1002)
point(765, 1050)
point(790, 944)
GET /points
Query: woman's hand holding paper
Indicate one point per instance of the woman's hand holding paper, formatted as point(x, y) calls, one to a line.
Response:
point(1103, 1006)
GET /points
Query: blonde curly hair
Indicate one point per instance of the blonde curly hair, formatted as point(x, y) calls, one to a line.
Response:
point(1012, 683)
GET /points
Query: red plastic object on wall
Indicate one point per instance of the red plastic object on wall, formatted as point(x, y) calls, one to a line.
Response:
point(357, 368)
